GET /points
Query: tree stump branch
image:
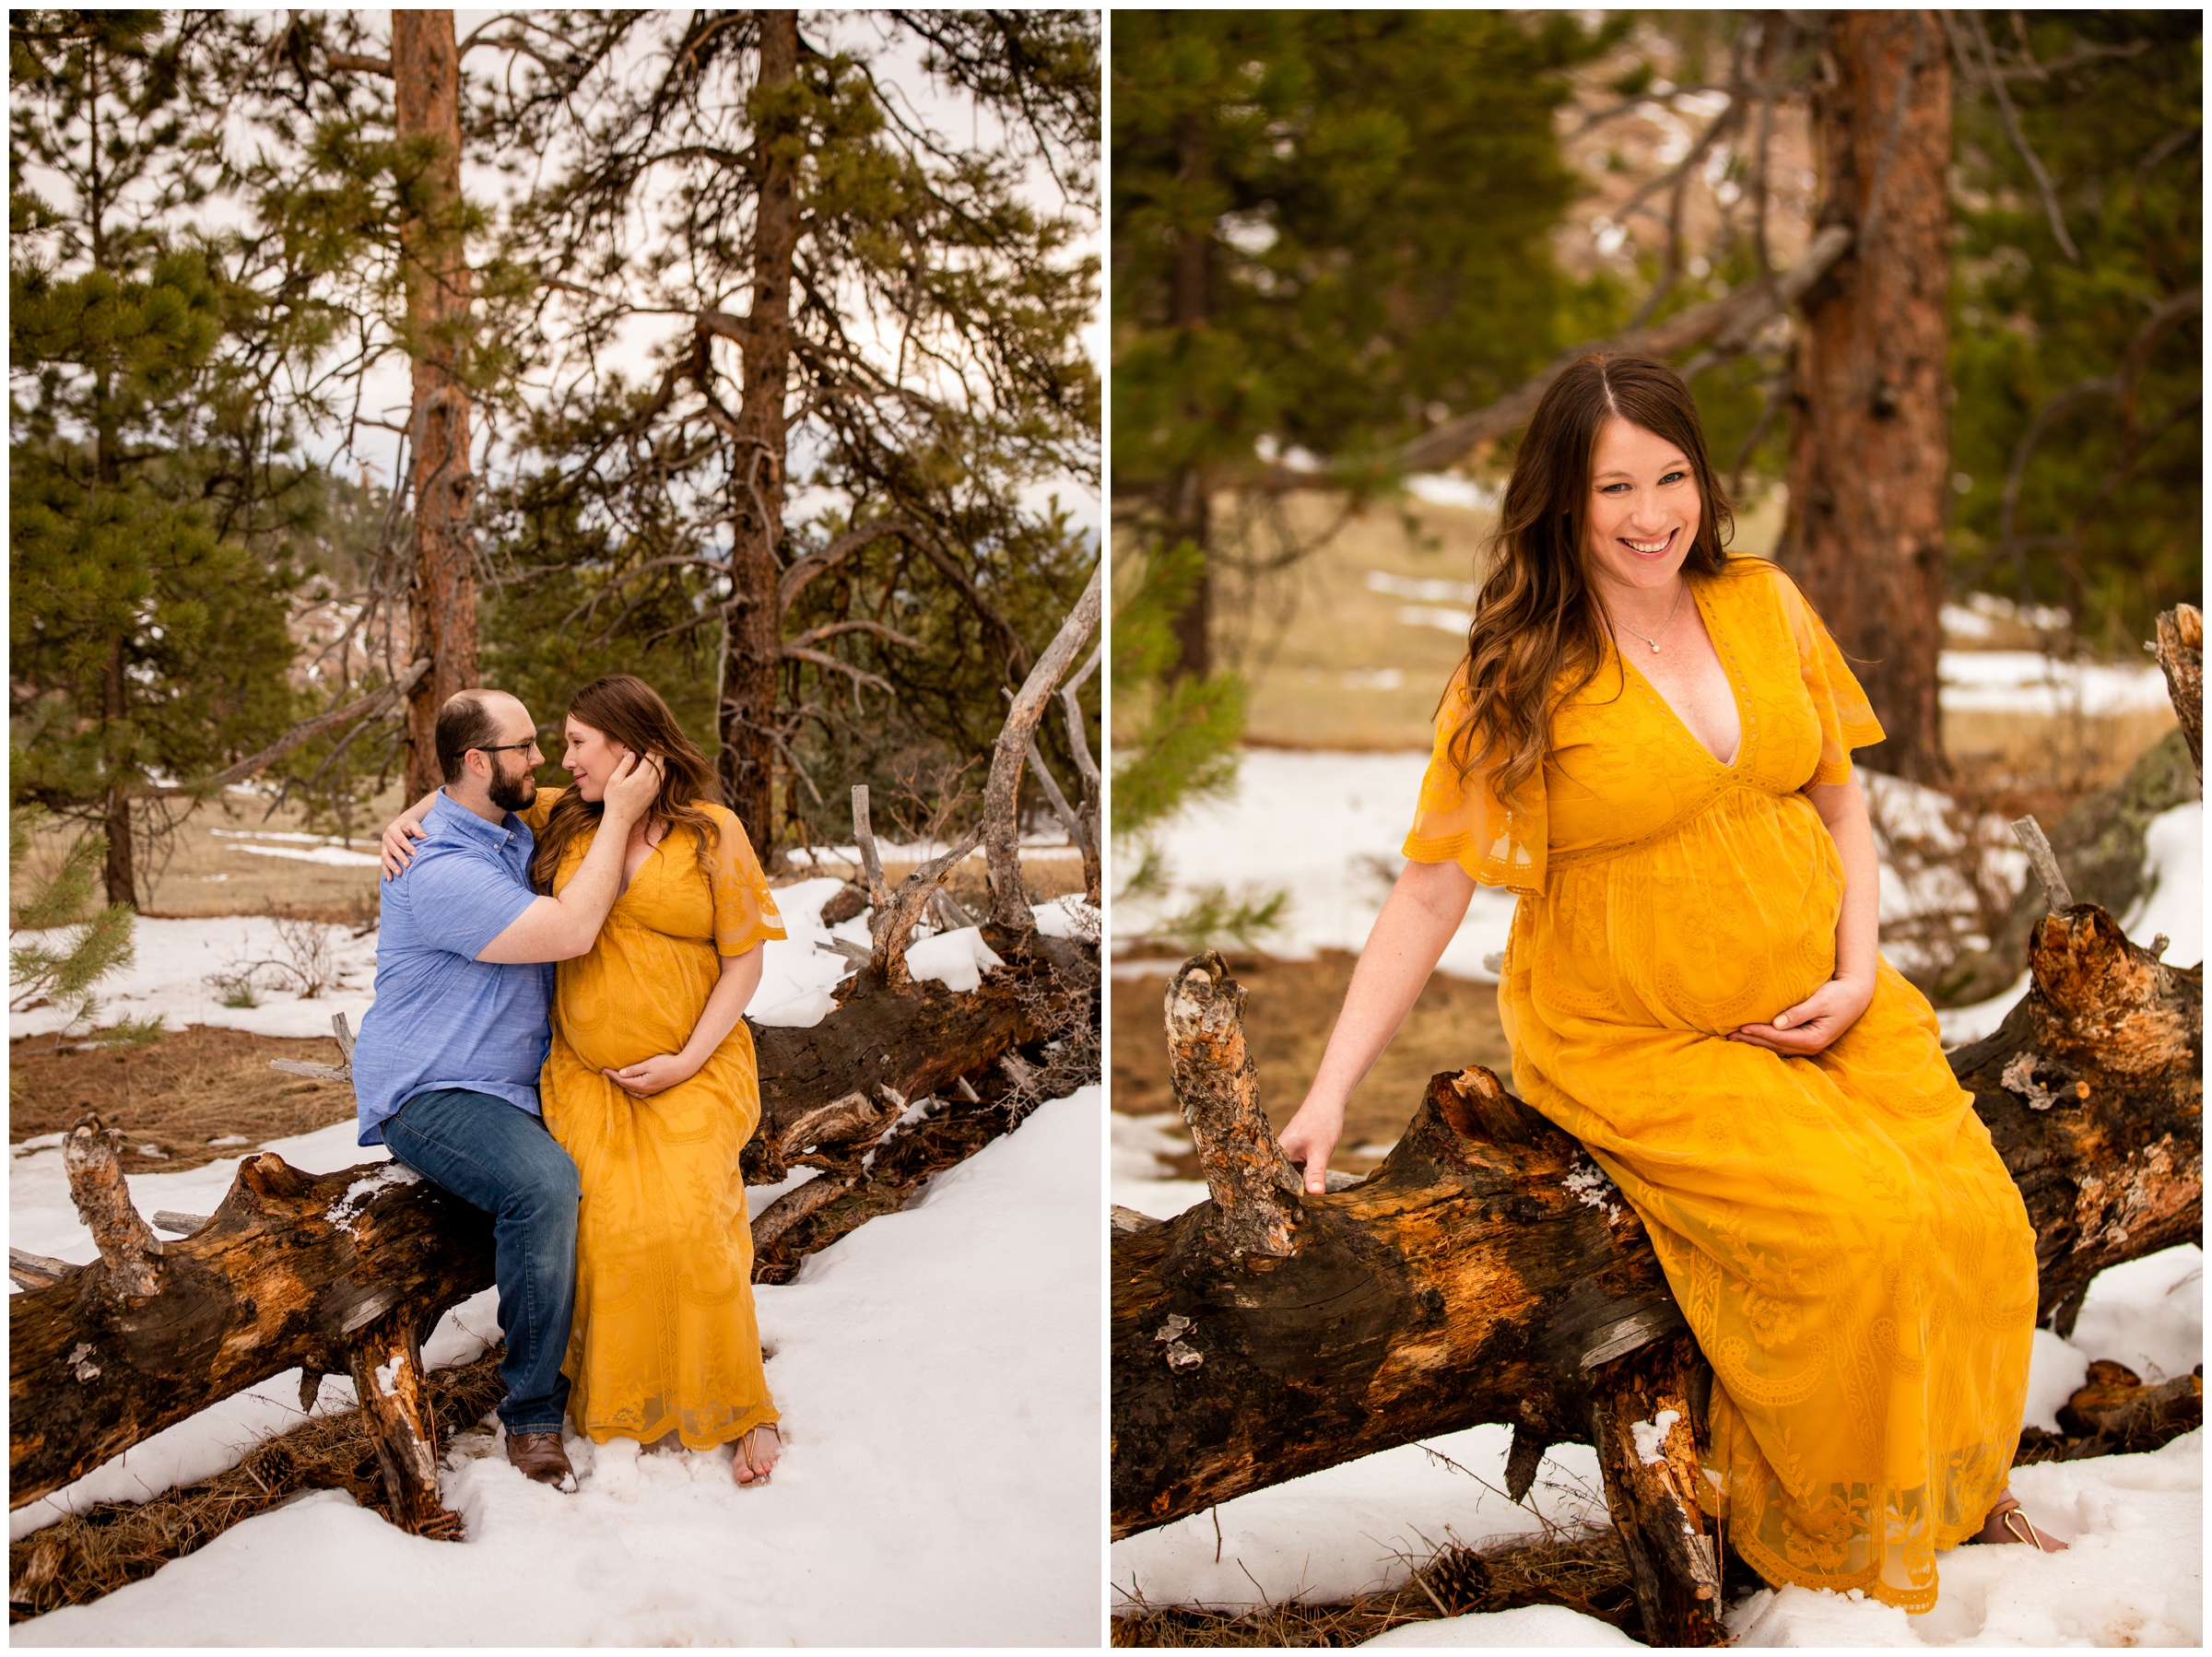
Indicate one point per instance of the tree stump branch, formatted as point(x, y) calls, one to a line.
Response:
point(2180, 650)
point(1009, 905)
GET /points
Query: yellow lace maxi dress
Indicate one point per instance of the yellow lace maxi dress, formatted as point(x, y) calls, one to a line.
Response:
point(1854, 1261)
point(664, 1338)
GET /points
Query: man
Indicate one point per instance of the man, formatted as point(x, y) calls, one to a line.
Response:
point(445, 1070)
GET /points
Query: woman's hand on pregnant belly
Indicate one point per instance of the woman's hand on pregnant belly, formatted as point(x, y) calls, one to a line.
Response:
point(1814, 1023)
point(649, 1077)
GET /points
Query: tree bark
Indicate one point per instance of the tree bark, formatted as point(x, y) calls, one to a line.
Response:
point(1190, 511)
point(1487, 1273)
point(2179, 647)
point(426, 84)
point(1870, 441)
point(120, 872)
point(752, 642)
point(99, 1361)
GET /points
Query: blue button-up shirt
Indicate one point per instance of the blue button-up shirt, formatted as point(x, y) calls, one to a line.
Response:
point(441, 1018)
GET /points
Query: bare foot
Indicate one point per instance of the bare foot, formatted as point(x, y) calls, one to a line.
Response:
point(753, 1457)
point(2008, 1522)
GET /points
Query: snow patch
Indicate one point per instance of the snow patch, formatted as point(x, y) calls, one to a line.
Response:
point(958, 959)
point(363, 1191)
point(865, 1538)
point(1650, 1437)
point(1594, 1189)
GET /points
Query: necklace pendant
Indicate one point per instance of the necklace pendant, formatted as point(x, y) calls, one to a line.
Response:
point(1654, 647)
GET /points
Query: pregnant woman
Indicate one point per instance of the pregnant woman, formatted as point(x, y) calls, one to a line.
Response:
point(653, 1091)
point(1649, 742)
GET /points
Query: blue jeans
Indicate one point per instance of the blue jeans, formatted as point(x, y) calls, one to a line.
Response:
point(502, 1160)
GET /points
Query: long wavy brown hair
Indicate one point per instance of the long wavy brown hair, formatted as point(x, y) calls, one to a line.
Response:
point(1540, 630)
point(628, 710)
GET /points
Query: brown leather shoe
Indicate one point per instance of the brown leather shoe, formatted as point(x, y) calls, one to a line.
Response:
point(540, 1457)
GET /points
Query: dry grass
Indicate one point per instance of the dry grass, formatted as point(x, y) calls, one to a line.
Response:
point(176, 1093)
point(1586, 1571)
point(2015, 764)
point(1290, 1008)
point(208, 872)
point(96, 1552)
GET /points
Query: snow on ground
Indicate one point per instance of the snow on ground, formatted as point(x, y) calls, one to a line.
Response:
point(2022, 681)
point(943, 1484)
point(1327, 827)
point(2133, 1576)
point(183, 970)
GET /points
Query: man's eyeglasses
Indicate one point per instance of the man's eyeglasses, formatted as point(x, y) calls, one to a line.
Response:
point(503, 747)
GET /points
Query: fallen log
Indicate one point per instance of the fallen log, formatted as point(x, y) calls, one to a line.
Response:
point(293, 1272)
point(328, 1274)
point(1487, 1272)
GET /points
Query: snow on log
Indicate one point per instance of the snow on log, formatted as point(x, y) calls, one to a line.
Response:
point(1486, 1271)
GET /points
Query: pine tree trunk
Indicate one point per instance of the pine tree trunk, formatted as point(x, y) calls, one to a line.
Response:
point(1189, 514)
point(753, 645)
point(1870, 445)
point(120, 872)
point(426, 80)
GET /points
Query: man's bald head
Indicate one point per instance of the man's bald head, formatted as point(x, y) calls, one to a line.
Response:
point(476, 719)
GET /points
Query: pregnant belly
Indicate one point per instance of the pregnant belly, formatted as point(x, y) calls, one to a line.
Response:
point(1723, 923)
point(632, 997)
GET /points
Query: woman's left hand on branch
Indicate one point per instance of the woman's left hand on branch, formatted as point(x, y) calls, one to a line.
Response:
point(649, 1077)
point(1814, 1023)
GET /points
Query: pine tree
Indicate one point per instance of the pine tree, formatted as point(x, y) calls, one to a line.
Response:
point(147, 638)
point(2078, 429)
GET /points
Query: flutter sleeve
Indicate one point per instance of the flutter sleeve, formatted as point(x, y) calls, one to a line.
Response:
point(1461, 819)
point(744, 912)
point(1846, 718)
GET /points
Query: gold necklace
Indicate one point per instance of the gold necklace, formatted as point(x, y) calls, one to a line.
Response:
point(1652, 638)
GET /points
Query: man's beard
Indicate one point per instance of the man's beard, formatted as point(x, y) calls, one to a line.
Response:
point(515, 793)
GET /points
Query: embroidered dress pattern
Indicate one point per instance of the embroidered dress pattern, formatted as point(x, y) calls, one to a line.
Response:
point(1856, 1262)
point(664, 1337)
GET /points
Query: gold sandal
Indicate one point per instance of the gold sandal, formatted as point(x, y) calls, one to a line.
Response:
point(759, 1479)
point(2012, 1519)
